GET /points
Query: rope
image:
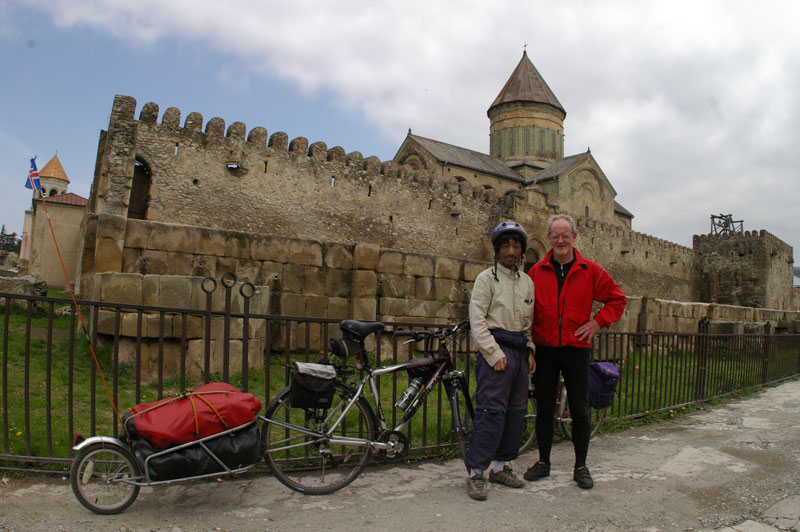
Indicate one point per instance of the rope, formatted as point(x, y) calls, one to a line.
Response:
point(191, 394)
point(75, 305)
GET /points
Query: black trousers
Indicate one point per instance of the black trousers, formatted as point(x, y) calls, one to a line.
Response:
point(573, 364)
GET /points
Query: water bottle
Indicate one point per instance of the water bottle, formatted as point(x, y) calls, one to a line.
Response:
point(408, 395)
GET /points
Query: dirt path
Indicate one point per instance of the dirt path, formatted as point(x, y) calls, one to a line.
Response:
point(737, 463)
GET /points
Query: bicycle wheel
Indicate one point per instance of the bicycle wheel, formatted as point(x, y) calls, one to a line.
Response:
point(529, 428)
point(300, 453)
point(100, 476)
point(565, 419)
point(463, 413)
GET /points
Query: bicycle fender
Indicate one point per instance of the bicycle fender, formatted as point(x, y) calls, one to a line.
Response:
point(107, 440)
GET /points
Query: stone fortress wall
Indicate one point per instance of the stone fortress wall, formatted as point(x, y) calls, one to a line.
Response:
point(323, 233)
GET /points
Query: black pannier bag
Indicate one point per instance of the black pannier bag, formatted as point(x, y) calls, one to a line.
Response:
point(238, 449)
point(312, 385)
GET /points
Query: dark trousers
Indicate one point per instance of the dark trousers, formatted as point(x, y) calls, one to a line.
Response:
point(573, 364)
point(499, 410)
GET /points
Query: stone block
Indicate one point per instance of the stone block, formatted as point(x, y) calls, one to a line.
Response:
point(110, 226)
point(423, 288)
point(392, 285)
point(338, 256)
point(248, 271)
point(150, 290)
point(171, 238)
point(472, 269)
point(305, 252)
point(417, 308)
point(208, 241)
point(154, 262)
point(367, 256)
point(447, 268)
point(179, 263)
point(108, 255)
point(365, 283)
point(447, 290)
point(393, 306)
point(120, 288)
point(338, 283)
point(338, 307)
point(316, 306)
point(292, 278)
point(292, 305)
point(152, 325)
point(137, 233)
point(175, 291)
point(391, 262)
point(364, 309)
point(314, 280)
point(418, 266)
point(274, 249)
point(131, 260)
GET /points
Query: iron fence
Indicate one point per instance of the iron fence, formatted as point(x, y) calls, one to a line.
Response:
point(52, 388)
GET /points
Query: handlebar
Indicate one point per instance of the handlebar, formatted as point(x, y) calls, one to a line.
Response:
point(420, 335)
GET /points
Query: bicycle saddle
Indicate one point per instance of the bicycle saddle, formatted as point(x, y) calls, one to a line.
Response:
point(361, 329)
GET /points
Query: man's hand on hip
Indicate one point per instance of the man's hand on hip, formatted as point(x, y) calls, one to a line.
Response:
point(586, 332)
point(500, 365)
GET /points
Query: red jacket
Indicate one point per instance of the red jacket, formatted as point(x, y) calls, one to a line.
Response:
point(555, 319)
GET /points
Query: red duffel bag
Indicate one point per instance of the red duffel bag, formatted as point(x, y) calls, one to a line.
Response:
point(191, 415)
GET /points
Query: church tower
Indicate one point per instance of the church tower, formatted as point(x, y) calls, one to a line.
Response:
point(53, 178)
point(526, 122)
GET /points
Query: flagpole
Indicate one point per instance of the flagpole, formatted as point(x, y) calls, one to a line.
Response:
point(32, 174)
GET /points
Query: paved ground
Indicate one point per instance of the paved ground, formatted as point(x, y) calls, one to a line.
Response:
point(731, 468)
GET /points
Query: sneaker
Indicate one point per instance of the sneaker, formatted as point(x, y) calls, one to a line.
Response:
point(537, 471)
point(506, 477)
point(583, 478)
point(476, 488)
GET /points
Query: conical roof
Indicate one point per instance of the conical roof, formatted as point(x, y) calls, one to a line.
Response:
point(54, 170)
point(526, 85)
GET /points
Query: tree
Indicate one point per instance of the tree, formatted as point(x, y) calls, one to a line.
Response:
point(9, 241)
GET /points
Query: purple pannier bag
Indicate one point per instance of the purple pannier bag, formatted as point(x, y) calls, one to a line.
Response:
point(603, 379)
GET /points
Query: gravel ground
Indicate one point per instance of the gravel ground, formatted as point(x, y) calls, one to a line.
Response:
point(735, 465)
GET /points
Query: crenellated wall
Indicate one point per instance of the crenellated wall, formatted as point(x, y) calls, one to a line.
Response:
point(295, 217)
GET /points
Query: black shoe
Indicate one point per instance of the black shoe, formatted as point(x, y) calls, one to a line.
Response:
point(583, 478)
point(537, 471)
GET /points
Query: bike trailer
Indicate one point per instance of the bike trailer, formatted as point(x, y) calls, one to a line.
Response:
point(603, 379)
point(312, 385)
point(191, 415)
point(233, 449)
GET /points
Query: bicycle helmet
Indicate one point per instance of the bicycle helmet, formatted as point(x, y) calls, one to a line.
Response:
point(510, 228)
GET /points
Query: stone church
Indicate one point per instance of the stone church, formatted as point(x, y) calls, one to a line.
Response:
point(38, 253)
point(526, 152)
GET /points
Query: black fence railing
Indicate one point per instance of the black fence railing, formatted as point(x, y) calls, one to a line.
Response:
point(52, 389)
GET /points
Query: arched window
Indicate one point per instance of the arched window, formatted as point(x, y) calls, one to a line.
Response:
point(52, 192)
point(140, 191)
point(586, 211)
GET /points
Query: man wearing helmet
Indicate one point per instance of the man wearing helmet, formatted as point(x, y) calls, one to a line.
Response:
point(501, 314)
point(567, 285)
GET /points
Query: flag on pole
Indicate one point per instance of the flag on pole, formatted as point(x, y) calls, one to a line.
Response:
point(33, 177)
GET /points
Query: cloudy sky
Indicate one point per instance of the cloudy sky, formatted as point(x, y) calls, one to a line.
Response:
point(691, 108)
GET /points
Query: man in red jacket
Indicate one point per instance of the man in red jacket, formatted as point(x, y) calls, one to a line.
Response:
point(567, 284)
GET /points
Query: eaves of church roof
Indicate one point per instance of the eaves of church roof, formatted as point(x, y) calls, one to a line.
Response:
point(455, 155)
point(526, 85)
point(67, 198)
point(558, 167)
